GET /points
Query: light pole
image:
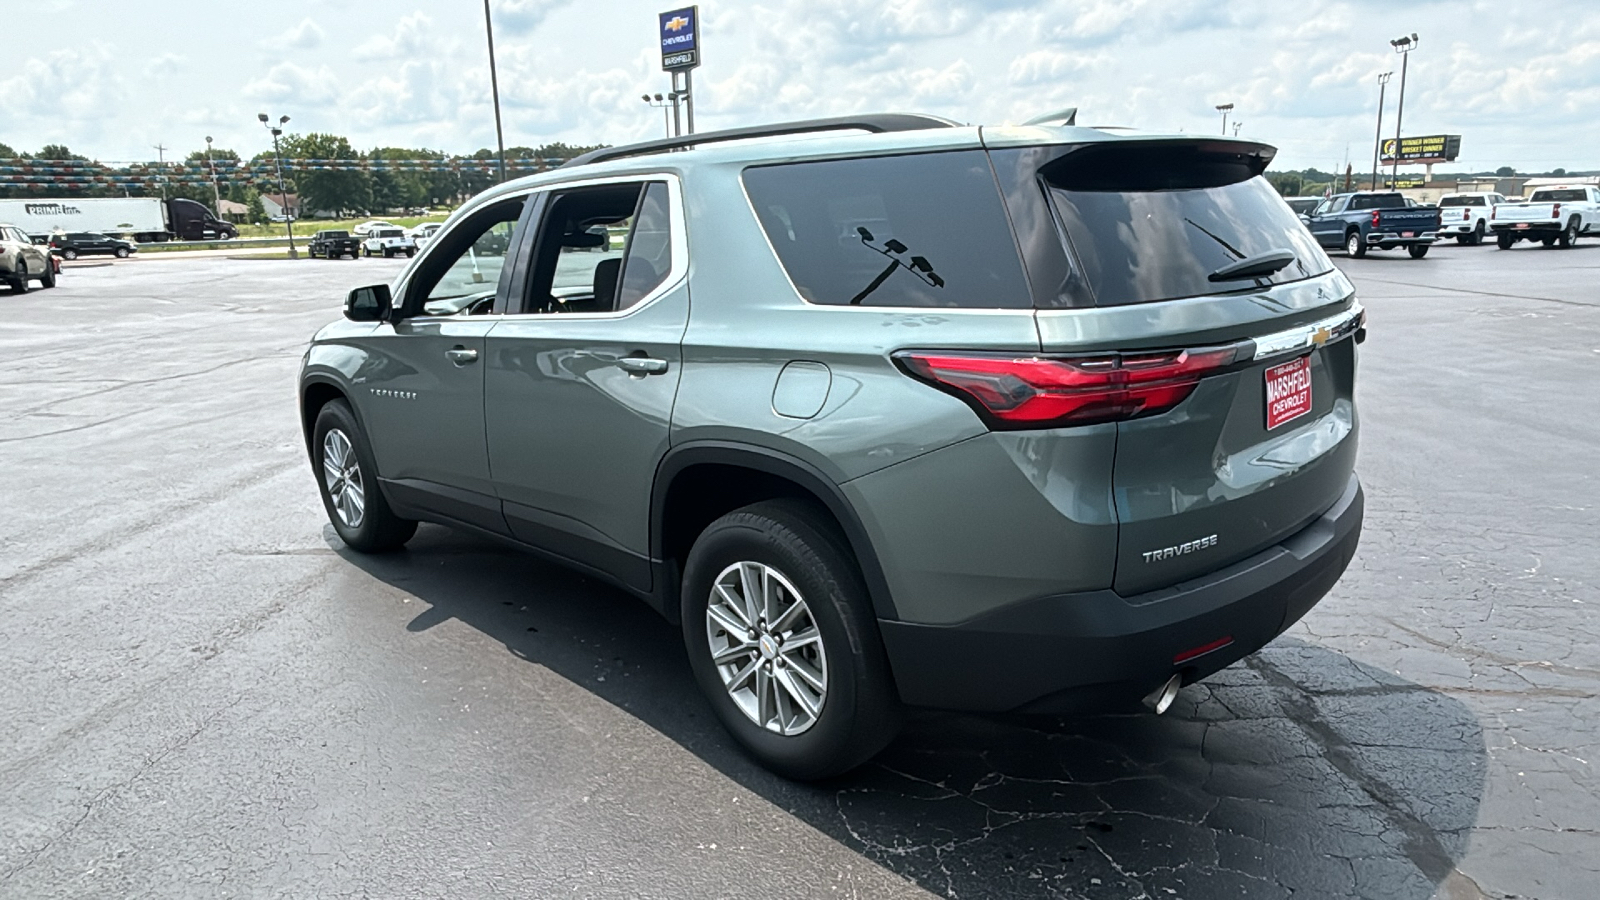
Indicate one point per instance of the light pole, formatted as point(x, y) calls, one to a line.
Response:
point(1377, 143)
point(665, 106)
point(161, 169)
point(216, 192)
point(1236, 126)
point(283, 195)
point(494, 87)
point(1402, 46)
point(1225, 109)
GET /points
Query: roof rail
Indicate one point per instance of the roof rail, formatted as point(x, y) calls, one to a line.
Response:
point(876, 123)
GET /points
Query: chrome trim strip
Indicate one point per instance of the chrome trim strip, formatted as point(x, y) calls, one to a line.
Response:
point(1304, 336)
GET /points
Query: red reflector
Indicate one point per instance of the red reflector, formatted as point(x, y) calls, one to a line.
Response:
point(1035, 392)
point(1202, 650)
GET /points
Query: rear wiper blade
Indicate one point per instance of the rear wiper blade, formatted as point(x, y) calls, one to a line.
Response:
point(1258, 266)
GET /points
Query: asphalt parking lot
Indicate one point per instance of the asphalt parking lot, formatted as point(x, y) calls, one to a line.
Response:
point(206, 695)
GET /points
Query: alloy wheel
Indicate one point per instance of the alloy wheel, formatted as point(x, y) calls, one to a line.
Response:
point(341, 472)
point(767, 648)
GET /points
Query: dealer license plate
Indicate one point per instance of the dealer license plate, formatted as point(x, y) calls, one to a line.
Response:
point(1408, 234)
point(1522, 225)
point(1288, 392)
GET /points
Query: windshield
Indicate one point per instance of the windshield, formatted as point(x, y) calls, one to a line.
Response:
point(1143, 246)
point(335, 234)
point(1569, 195)
point(1462, 201)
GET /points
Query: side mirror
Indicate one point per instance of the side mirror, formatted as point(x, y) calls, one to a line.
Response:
point(368, 304)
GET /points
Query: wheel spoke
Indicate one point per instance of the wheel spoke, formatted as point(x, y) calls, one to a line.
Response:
point(783, 622)
point(809, 675)
point(752, 580)
point(740, 679)
point(764, 696)
point(800, 696)
point(733, 653)
point(726, 618)
point(333, 474)
point(733, 603)
point(800, 640)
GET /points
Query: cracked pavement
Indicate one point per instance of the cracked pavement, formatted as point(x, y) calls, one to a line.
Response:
point(207, 696)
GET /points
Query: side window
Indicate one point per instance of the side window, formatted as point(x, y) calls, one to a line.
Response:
point(462, 272)
point(647, 259)
point(924, 230)
point(1339, 203)
point(577, 260)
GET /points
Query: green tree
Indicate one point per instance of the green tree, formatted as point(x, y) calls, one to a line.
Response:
point(57, 151)
point(335, 190)
point(1504, 172)
point(1558, 172)
point(7, 153)
point(257, 213)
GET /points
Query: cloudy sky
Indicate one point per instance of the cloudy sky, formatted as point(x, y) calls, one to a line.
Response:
point(1520, 82)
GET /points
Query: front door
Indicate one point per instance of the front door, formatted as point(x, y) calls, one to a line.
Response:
point(582, 375)
point(424, 375)
point(1325, 225)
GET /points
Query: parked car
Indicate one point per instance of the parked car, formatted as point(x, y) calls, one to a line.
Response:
point(1550, 216)
point(333, 245)
point(22, 260)
point(939, 466)
point(74, 244)
point(1466, 215)
point(365, 228)
point(1367, 220)
point(388, 242)
point(1303, 205)
point(423, 233)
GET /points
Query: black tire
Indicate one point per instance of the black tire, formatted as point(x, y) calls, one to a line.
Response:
point(1547, 242)
point(121, 252)
point(1463, 239)
point(1569, 234)
point(860, 712)
point(1354, 246)
point(378, 529)
point(48, 279)
point(69, 253)
point(1477, 234)
point(1504, 240)
point(19, 277)
point(1418, 251)
point(366, 252)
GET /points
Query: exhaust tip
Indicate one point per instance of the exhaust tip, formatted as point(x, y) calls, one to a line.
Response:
point(1160, 699)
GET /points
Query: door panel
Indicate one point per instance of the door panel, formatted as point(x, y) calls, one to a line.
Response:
point(423, 409)
point(575, 436)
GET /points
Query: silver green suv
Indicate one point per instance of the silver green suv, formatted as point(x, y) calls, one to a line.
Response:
point(884, 412)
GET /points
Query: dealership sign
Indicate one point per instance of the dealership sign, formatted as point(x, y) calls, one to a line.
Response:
point(1434, 148)
point(680, 38)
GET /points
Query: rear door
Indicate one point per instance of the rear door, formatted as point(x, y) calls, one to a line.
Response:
point(1264, 440)
point(582, 374)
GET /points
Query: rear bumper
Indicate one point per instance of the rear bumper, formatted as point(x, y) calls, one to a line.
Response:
point(1459, 228)
point(1099, 651)
point(1528, 229)
point(1394, 239)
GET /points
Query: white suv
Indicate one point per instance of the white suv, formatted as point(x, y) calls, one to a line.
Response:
point(390, 241)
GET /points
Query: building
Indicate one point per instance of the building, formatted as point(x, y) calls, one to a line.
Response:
point(234, 212)
point(275, 204)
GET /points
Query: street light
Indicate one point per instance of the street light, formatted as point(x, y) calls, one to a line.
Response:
point(216, 192)
point(1225, 109)
point(494, 87)
point(1377, 143)
point(1402, 46)
point(283, 195)
point(665, 105)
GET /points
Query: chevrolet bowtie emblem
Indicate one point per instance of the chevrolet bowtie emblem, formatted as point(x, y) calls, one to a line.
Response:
point(1320, 336)
point(677, 23)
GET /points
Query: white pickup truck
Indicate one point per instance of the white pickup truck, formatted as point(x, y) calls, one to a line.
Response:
point(1465, 216)
point(388, 241)
point(1552, 215)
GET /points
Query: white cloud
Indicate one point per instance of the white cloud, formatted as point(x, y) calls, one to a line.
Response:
point(411, 38)
point(307, 35)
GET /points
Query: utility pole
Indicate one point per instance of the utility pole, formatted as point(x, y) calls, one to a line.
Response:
point(283, 195)
point(1402, 46)
point(494, 87)
point(216, 192)
point(161, 169)
point(1377, 143)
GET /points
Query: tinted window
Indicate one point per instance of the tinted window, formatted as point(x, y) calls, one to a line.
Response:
point(1566, 196)
point(926, 230)
point(1462, 201)
point(1141, 246)
point(648, 257)
point(1378, 201)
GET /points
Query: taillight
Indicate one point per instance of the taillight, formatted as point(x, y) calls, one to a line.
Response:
point(1555, 211)
point(1494, 213)
point(1043, 392)
point(1465, 215)
point(1374, 218)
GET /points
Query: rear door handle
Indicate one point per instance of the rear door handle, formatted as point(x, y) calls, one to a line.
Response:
point(642, 365)
point(462, 355)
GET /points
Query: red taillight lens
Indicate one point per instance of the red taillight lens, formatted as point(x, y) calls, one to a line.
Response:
point(1037, 392)
point(1465, 215)
point(1374, 218)
point(1555, 211)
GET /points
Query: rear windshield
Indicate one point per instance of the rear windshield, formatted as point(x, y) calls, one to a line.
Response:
point(926, 230)
point(1463, 201)
point(335, 234)
point(1140, 246)
point(1563, 196)
point(1378, 201)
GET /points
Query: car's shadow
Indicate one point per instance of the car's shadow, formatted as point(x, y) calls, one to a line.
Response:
point(1298, 771)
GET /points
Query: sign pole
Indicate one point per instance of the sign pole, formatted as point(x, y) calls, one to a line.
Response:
point(688, 98)
point(677, 115)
